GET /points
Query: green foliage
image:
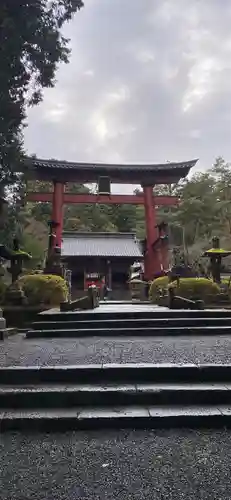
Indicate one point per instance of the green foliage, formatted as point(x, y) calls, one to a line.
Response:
point(196, 288)
point(190, 288)
point(14, 218)
point(204, 210)
point(32, 45)
point(158, 287)
point(124, 218)
point(44, 289)
point(35, 248)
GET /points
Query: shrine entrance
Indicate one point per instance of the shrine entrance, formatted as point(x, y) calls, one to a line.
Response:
point(62, 172)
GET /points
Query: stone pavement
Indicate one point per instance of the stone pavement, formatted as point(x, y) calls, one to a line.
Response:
point(18, 351)
point(109, 465)
point(98, 465)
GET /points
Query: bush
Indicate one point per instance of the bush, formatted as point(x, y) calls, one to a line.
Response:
point(45, 289)
point(158, 287)
point(32, 271)
point(197, 289)
point(190, 288)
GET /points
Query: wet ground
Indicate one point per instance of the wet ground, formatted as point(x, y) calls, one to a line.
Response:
point(19, 351)
point(126, 465)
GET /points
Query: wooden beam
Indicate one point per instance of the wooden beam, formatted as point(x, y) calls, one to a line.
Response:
point(114, 199)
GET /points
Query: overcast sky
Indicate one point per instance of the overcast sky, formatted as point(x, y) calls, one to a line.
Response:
point(148, 81)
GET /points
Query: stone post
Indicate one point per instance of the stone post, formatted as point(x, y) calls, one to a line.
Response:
point(2, 207)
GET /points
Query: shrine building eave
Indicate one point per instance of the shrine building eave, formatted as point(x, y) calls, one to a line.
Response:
point(64, 171)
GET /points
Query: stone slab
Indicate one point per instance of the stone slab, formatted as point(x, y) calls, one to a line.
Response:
point(163, 411)
point(128, 311)
point(95, 396)
point(7, 332)
point(115, 418)
point(103, 323)
point(130, 332)
point(116, 373)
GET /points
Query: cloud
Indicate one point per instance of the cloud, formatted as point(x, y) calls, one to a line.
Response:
point(148, 81)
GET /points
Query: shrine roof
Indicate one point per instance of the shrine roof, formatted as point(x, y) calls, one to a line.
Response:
point(38, 164)
point(83, 244)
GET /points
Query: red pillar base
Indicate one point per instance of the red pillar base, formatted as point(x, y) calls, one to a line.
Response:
point(152, 265)
point(57, 211)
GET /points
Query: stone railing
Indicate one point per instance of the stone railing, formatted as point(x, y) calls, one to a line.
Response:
point(90, 301)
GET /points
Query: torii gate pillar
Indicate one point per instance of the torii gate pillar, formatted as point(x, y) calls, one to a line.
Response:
point(57, 210)
point(152, 258)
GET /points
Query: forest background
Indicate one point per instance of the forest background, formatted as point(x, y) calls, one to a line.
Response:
point(204, 211)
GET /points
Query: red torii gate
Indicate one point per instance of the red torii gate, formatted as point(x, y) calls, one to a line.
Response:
point(62, 172)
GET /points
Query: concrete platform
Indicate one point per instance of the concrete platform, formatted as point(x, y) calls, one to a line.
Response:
point(116, 306)
point(113, 306)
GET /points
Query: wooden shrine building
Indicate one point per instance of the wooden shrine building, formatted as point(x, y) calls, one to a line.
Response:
point(62, 172)
point(91, 256)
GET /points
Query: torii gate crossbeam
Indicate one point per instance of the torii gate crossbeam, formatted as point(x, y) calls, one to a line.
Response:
point(114, 199)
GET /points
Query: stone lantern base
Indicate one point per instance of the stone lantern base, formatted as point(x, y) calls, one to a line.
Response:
point(2, 322)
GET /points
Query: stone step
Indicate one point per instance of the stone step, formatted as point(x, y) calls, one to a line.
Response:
point(130, 314)
point(118, 417)
point(115, 374)
point(7, 332)
point(131, 332)
point(108, 395)
point(97, 324)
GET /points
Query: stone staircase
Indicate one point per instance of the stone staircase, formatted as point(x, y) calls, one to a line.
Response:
point(132, 323)
point(114, 396)
point(119, 395)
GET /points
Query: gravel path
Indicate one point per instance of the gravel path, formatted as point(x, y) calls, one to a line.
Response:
point(18, 351)
point(183, 465)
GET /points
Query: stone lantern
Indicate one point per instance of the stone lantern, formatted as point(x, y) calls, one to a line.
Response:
point(216, 254)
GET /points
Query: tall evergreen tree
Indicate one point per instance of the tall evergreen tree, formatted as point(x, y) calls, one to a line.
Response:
point(31, 46)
